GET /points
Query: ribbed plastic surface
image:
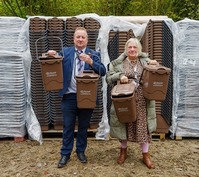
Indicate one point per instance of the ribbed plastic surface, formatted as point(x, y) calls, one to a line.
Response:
point(47, 104)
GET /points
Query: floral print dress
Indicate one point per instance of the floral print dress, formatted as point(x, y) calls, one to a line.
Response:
point(137, 131)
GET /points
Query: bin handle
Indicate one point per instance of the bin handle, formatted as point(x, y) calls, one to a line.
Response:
point(129, 81)
point(161, 70)
point(48, 37)
point(91, 54)
point(51, 62)
point(90, 71)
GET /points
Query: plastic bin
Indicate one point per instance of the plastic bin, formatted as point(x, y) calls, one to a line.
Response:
point(87, 83)
point(155, 80)
point(52, 74)
point(123, 97)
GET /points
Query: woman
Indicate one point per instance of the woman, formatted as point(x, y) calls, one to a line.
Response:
point(129, 65)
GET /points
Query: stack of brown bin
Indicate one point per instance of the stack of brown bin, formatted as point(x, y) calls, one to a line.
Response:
point(71, 24)
point(158, 42)
point(66, 36)
point(93, 27)
point(39, 97)
point(52, 76)
point(47, 104)
point(56, 28)
point(117, 40)
point(56, 39)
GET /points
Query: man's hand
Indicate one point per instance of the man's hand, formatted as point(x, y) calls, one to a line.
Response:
point(86, 58)
point(52, 53)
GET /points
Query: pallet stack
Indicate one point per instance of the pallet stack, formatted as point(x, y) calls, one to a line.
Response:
point(185, 122)
point(158, 43)
point(116, 43)
point(38, 45)
point(12, 85)
point(48, 33)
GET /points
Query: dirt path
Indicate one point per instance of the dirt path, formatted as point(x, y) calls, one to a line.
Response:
point(29, 159)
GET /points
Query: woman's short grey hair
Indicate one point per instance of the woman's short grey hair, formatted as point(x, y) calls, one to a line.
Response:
point(138, 44)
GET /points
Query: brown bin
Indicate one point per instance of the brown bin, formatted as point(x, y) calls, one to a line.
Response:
point(155, 80)
point(87, 83)
point(52, 75)
point(123, 98)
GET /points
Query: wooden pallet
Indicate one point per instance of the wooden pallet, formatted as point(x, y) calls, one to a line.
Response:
point(15, 139)
point(44, 128)
point(158, 136)
point(52, 133)
point(155, 136)
point(179, 138)
point(19, 139)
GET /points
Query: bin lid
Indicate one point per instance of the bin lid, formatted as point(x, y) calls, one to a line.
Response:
point(123, 89)
point(157, 68)
point(87, 74)
point(45, 56)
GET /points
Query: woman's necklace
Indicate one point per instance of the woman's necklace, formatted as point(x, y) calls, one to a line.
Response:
point(132, 62)
point(133, 68)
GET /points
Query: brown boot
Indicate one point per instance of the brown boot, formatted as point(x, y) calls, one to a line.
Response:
point(147, 160)
point(123, 155)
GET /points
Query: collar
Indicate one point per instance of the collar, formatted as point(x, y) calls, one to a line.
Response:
point(83, 51)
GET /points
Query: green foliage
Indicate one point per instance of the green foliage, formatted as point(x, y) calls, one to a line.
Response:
point(185, 9)
point(175, 9)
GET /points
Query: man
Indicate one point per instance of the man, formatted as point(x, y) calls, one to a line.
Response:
point(90, 60)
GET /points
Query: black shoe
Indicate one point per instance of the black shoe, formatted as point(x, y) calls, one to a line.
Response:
point(63, 161)
point(81, 156)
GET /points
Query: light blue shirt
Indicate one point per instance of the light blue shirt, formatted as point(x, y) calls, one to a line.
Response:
point(72, 86)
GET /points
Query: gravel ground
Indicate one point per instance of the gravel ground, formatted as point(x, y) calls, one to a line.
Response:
point(29, 159)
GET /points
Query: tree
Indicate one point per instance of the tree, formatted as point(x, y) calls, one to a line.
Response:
point(174, 9)
point(185, 9)
point(14, 9)
point(22, 8)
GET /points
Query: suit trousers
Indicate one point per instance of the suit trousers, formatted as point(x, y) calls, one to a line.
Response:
point(70, 113)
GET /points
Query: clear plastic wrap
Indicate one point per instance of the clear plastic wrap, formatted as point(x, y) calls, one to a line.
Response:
point(16, 115)
point(185, 119)
point(107, 24)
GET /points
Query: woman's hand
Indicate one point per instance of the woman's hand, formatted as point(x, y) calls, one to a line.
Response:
point(153, 62)
point(124, 80)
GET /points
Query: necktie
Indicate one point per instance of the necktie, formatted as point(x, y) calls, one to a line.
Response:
point(79, 62)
